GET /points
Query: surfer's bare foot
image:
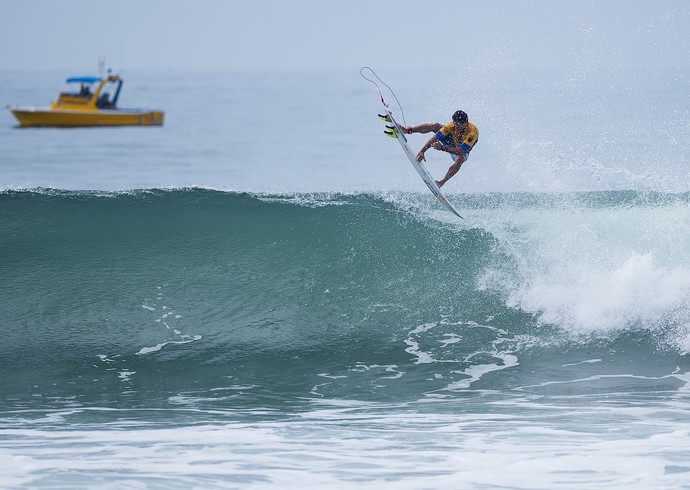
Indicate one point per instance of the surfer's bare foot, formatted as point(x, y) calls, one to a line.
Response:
point(439, 183)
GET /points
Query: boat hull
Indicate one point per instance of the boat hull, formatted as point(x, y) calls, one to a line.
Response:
point(33, 117)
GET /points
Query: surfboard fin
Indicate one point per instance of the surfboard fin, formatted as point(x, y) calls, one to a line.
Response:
point(393, 133)
point(385, 117)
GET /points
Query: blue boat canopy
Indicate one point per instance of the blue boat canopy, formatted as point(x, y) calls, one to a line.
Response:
point(83, 79)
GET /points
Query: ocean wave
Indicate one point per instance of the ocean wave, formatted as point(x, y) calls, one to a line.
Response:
point(301, 272)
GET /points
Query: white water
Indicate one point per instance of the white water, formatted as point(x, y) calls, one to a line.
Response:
point(592, 270)
point(355, 445)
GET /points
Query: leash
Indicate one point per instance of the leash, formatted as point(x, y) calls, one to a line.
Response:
point(361, 72)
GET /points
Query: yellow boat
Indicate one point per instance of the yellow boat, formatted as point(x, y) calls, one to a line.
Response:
point(88, 108)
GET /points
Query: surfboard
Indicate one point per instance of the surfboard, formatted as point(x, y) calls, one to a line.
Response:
point(394, 131)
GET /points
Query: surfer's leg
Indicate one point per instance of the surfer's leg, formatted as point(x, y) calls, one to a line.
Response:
point(452, 170)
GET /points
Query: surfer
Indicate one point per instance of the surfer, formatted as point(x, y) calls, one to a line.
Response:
point(458, 137)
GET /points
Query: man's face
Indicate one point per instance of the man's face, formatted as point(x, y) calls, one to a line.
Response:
point(461, 126)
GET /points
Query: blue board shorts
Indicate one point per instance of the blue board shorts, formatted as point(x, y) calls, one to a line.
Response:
point(448, 142)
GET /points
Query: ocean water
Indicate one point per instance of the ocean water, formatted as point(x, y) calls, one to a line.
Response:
point(262, 293)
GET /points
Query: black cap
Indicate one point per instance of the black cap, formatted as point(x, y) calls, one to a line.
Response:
point(460, 117)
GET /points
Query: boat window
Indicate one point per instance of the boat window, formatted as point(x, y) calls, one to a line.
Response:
point(106, 100)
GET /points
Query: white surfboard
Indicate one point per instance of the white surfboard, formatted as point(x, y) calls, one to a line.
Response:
point(419, 166)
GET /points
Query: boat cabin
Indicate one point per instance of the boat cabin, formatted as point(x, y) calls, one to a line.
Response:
point(103, 96)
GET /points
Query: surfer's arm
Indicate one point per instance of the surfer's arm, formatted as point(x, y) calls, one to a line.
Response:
point(422, 128)
point(432, 141)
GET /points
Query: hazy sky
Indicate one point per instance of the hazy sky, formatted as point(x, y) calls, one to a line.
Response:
point(321, 34)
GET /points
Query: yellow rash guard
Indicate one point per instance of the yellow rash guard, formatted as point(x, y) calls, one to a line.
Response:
point(450, 136)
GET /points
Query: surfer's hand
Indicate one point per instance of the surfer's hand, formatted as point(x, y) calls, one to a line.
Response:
point(420, 156)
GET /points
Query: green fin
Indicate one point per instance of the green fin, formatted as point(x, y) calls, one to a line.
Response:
point(385, 117)
point(392, 134)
